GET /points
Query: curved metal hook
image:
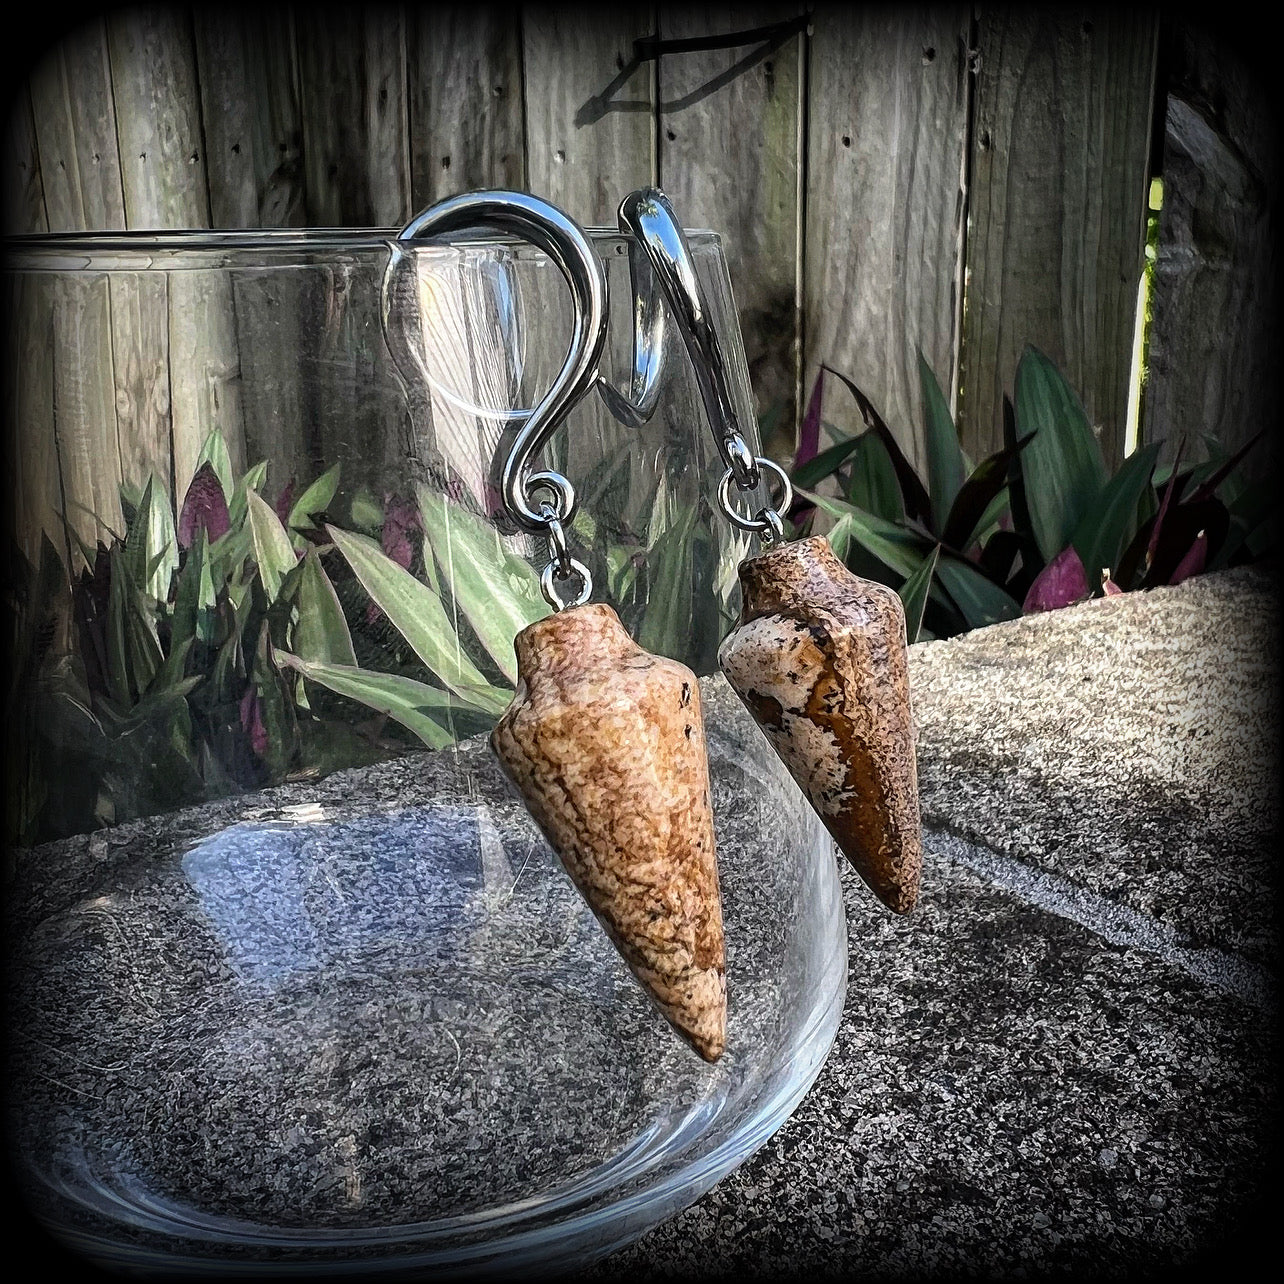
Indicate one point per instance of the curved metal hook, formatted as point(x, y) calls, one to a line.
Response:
point(648, 215)
point(635, 407)
point(563, 240)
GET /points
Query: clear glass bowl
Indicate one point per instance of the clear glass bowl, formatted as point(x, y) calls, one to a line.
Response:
point(286, 992)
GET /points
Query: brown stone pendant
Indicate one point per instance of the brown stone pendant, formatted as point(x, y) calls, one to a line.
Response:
point(606, 744)
point(819, 658)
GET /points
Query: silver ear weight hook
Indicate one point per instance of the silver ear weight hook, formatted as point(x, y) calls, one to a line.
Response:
point(649, 217)
point(541, 501)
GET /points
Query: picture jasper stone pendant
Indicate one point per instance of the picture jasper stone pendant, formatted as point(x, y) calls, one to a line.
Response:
point(605, 742)
point(819, 658)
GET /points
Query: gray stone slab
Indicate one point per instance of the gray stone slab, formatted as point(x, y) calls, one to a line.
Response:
point(1129, 744)
point(1009, 1096)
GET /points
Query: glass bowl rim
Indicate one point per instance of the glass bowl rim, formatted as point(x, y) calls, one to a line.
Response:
point(200, 241)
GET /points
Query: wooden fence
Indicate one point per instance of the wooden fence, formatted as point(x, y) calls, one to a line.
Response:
point(944, 179)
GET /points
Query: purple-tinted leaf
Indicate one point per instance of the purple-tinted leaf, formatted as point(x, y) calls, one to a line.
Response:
point(1153, 543)
point(1061, 583)
point(976, 494)
point(1193, 562)
point(284, 500)
point(252, 721)
point(1181, 530)
point(1208, 487)
point(809, 429)
point(917, 503)
point(204, 508)
point(400, 518)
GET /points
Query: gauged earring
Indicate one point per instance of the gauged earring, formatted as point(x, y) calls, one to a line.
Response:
point(819, 656)
point(604, 741)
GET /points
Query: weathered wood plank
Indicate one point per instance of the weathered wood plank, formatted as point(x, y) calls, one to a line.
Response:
point(887, 101)
point(24, 195)
point(465, 88)
point(1057, 209)
point(32, 479)
point(75, 121)
point(84, 407)
point(154, 74)
point(158, 117)
point(590, 140)
point(743, 107)
point(1215, 333)
point(205, 370)
point(352, 89)
point(140, 359)
point(250, 111)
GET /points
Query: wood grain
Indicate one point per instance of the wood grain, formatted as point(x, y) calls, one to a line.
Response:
point(24, 194)
point(888, 106)
point(84, 409)
point(744, 106)
point(32, 478)
point(1215, 336)
point(590, 134)
point(250, 112)
point(352, 91)
point(158, 119)
point(466, 111)
point(75, 121)
point(1057, 209)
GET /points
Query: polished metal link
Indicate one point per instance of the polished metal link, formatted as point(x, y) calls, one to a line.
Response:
point(551, 575)
point(741, 462)
point(767, 521)
point(557, 549)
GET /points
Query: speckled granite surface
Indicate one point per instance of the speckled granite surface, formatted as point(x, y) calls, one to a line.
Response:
point(1065, 1062)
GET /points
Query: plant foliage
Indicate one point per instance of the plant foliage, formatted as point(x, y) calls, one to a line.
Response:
point(1037, 525)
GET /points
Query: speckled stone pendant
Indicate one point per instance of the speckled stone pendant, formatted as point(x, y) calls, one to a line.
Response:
point(606, 744)
point(819, 659)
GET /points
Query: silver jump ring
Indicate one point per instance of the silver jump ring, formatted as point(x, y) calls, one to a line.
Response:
point(767, 522)
point(557, 547)
point(559, 487)
point(551, 573)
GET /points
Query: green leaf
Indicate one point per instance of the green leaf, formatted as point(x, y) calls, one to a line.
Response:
point(874, 486)
point(321, 633)
point(214, 452)
point(151, 544)
point(272, 548)
point(828, 461)
point(1110, 522)
point(980, 600)
point(193, 615)
point(895, 547)
point(497, 591)
point(252, 480)
point(914, 594)
point(367, 512)
point(316, 499)
point(1062, 467)
point(973, 509)
point(666, 626)
point(417, 612)
point(411, 703)
point(170, 675)
point(945, 468)
point(118, 671)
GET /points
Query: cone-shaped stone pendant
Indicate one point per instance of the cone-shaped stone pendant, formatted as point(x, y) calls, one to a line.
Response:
point(606, 744)
point(819, 658)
